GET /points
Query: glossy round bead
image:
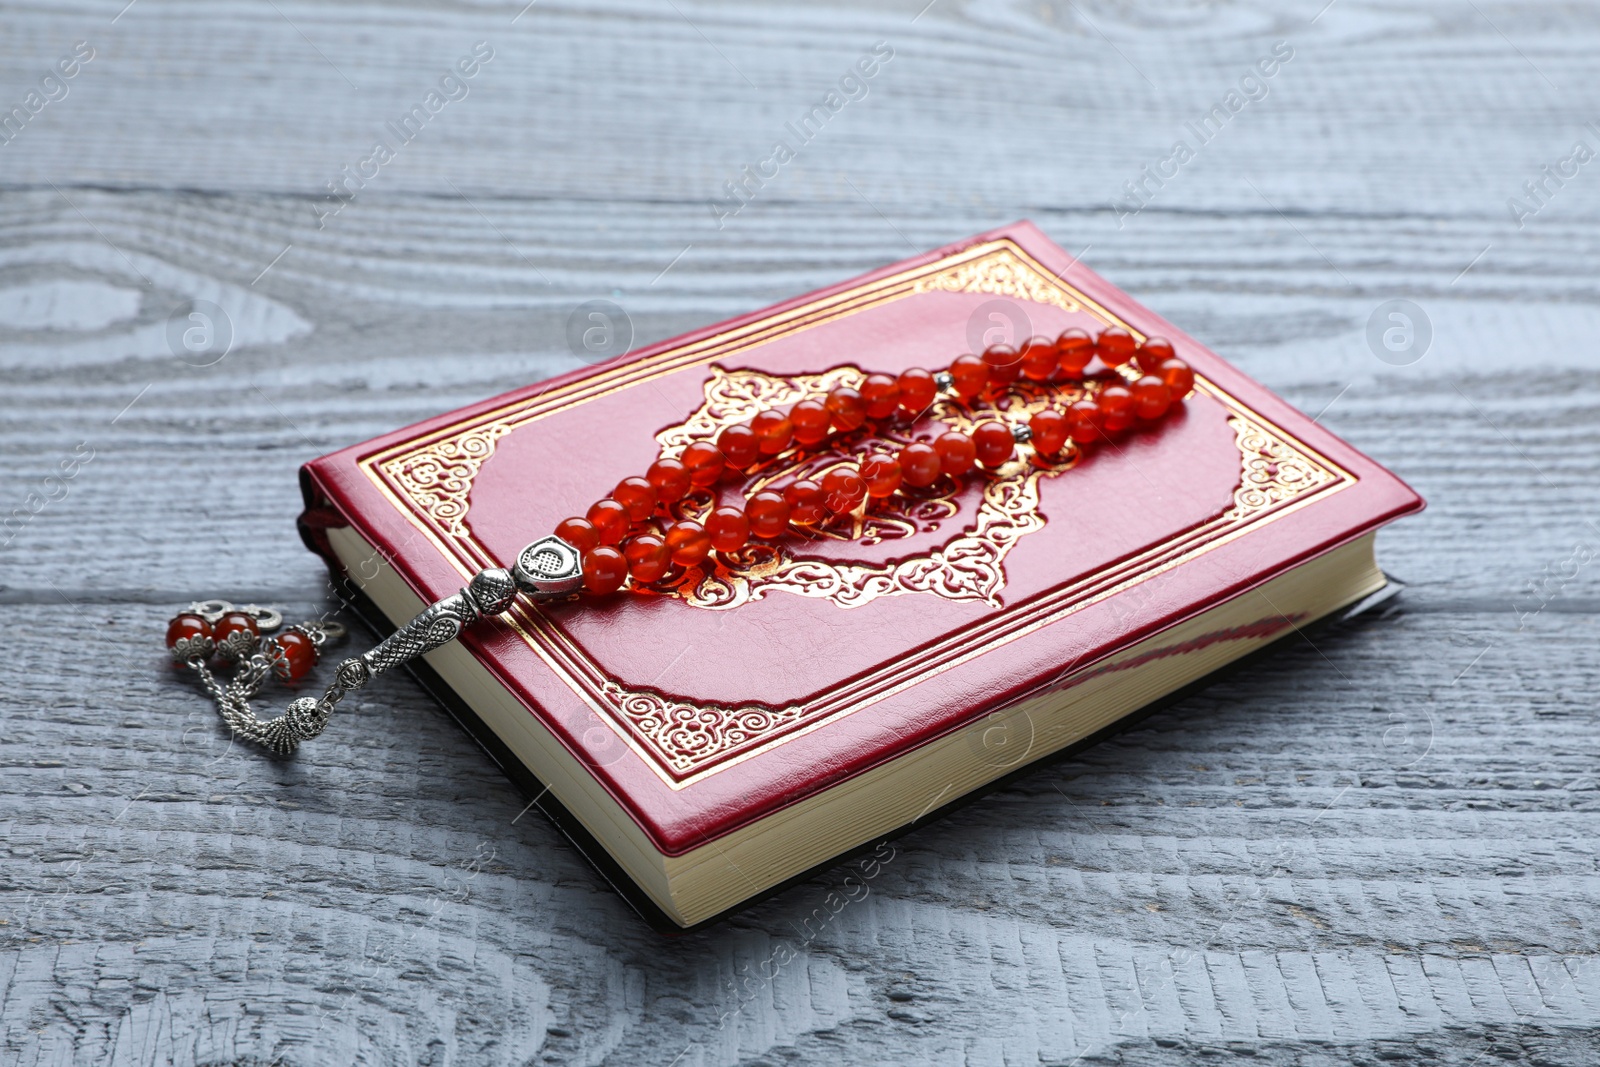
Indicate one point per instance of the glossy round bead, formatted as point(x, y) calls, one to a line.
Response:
point(297, 654)
point(1114, 346)
point(610, 520)
point(232, 623)
point(811, 422)
point(1074, 350)
point(881, 393)
point(637, 495)
point(808, 504)
point(882, 475)
point(957, 453)
point(579, 533)
point(843, 490)
point(670, 478)
point(1116, 408)
point(728, 528)
point(773, 430)
point(604, 570)
point(1038, 358)
point(1049, 432)
point(969, 374)
point(993, 443)
point(740, 446)
point(1151, 397)
point(704, 462)
point(768, 513)
point(187, 626)
point(1152, 353)
point(1178, 376)
point(688, 542)
point(1083, 421)
point(648, 557)
point(1003, 362)
point(917, 390)
point(848, 408)
point(919, 464)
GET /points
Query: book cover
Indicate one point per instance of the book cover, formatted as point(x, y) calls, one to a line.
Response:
point(742, 688)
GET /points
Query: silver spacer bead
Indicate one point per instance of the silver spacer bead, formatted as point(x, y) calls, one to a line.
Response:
point(548, 568)
point(491, 591)
point(945, 381)
point(1021, 433)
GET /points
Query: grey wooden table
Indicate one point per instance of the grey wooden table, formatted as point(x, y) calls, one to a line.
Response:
point(1378, 848)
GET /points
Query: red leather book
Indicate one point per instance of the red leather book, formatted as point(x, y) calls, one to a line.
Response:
point(745, 723)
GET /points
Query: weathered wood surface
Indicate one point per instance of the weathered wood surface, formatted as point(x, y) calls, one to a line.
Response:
point(1381, 848)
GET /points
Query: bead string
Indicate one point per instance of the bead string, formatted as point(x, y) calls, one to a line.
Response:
point(618, 548)
point(612, 544)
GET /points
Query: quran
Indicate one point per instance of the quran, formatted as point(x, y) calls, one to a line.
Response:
point(739, 721)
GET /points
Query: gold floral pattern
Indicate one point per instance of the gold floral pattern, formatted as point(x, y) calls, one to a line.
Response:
point(1002, 273)
point(688, 735)
point(438, 478)
point(1273, 470)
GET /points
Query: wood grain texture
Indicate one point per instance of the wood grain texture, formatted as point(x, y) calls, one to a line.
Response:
point(1377, 848)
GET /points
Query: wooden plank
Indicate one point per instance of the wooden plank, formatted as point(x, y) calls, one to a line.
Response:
point(1375, 848)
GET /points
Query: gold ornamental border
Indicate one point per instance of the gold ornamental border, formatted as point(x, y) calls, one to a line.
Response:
point(427, 480)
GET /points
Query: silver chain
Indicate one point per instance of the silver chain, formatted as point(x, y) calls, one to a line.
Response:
point(547, 569)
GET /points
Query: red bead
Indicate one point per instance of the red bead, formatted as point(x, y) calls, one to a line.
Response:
point(704, 462)
point(1116, 407)
point(919, 464)
point(957, 453)
point(688, 542)
point(1074, 350)
point(740, 446)
point(811, 419)
point(647, 556)
point(1114, 346)
point(1038, 358)
point(729, 529)
point(1152, 353)
point(848, 408)
point(882, 395)
point(844, 490)
point(1004, 364)
point(604, 570)
point(1083, 421)
point(610, 519)
point(969, 374)
point(637, 495)
point(882, 475)
point(768, 513)
point(187, 626)
point(993, 442)
point(1178, 376)
point(670, 478)
point(579, 533)
point(917, 390)
point(1049, 432)
point(232, 623)
point(808, 504)
point(297, 654)
point(773, 430)
point(1151, 398)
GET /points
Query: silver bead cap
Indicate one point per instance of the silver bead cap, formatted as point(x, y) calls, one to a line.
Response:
point(549, 567)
